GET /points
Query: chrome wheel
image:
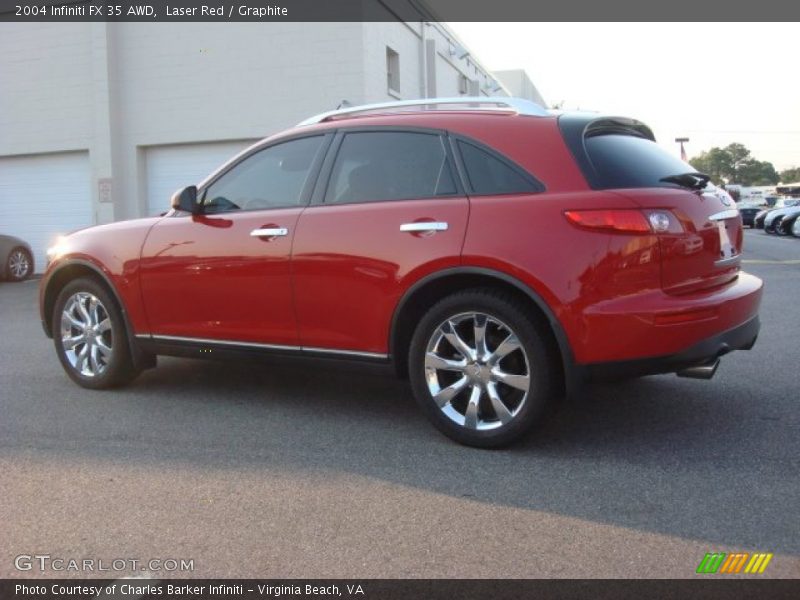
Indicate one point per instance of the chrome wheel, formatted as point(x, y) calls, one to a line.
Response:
point(86, 334)
point(19, 264)
point(477, 371)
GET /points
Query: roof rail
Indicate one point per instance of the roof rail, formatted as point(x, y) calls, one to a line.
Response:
point(519, 106)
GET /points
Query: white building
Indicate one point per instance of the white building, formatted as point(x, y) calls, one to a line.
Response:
point(103, 121)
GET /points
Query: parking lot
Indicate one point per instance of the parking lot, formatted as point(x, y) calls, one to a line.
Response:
point(325, 469)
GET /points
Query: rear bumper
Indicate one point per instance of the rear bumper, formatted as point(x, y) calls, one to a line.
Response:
point(661, 333)
point(742, 337)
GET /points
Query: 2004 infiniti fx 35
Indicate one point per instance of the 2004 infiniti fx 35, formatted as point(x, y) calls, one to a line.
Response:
point(498, 254)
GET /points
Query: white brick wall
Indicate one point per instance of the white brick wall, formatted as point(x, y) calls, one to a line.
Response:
point(403, 39)
point(45, 87)
point(199, 82)
point(118, 88)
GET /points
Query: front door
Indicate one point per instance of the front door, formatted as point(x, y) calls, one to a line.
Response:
point(224, 274)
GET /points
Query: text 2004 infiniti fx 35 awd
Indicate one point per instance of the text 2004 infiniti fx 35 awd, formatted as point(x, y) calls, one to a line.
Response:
point(498, 254)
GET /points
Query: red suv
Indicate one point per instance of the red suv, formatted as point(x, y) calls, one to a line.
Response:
point(498, 254)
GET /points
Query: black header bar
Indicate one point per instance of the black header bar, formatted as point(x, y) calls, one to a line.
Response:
point(706, 587)
point(406, 10)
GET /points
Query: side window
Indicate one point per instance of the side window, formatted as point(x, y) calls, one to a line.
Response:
point(271, 178)
point(389, 165)
point(392, 70)
point(488, 175)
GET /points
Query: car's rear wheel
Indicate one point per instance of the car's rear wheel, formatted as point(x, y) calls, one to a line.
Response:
point(788, 227)
point(19, 265)
point(90, 337)
point(481, 369)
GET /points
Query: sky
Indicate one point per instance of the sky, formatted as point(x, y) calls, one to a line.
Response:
point(715, 83)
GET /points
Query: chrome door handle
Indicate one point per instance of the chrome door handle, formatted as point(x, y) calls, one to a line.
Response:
point(423, 226)
point(269, 232)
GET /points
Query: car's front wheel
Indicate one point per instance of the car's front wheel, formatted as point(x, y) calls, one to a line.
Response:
point(19, 265)
point(90, 337)
point(481, 368)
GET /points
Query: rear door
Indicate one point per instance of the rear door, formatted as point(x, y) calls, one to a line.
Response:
point(387, 211)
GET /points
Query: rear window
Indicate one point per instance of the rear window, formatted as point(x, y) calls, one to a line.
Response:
point(627, 161)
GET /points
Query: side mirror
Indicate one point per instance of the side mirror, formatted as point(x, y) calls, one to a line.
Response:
point(186, 200)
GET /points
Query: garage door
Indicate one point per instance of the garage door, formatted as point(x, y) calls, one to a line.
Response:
point(43, 196)
point(170, 168)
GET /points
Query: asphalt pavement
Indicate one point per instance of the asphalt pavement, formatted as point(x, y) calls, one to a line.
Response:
point(327, 469)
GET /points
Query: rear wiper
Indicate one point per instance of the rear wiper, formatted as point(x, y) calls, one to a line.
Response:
point(693, 181)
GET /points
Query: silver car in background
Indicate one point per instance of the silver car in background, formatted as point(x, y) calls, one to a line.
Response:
point(774, 216)
point(16, 258)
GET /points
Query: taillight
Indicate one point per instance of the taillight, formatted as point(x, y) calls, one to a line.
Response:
point(630, 221)
point(625, 220)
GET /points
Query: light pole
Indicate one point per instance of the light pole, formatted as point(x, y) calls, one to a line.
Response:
point(681, 141)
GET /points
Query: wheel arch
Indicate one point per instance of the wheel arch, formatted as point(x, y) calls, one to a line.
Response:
point(67, 271)
point(70, 270)
point(436, 286)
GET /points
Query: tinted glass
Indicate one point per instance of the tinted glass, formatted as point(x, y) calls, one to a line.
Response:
point(382, 165)
point(626, 161)
point(268, 179)
point(488, 175)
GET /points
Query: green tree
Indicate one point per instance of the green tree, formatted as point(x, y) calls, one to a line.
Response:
point(735, 164)
point(715, 163)
point(790, 175)
point(757, 172)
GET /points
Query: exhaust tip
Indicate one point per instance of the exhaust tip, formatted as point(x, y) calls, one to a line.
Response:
point(704, 371)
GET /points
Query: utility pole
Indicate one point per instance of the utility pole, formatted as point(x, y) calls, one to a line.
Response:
point(681, 141)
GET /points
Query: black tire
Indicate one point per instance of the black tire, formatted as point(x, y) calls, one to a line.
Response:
point(112, 370)
point(533, 355)
point(779, 228)
point(19, 258)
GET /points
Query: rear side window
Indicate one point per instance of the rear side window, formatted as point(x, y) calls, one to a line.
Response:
point(489, 175)
point(628, 161)
point(374, 166)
